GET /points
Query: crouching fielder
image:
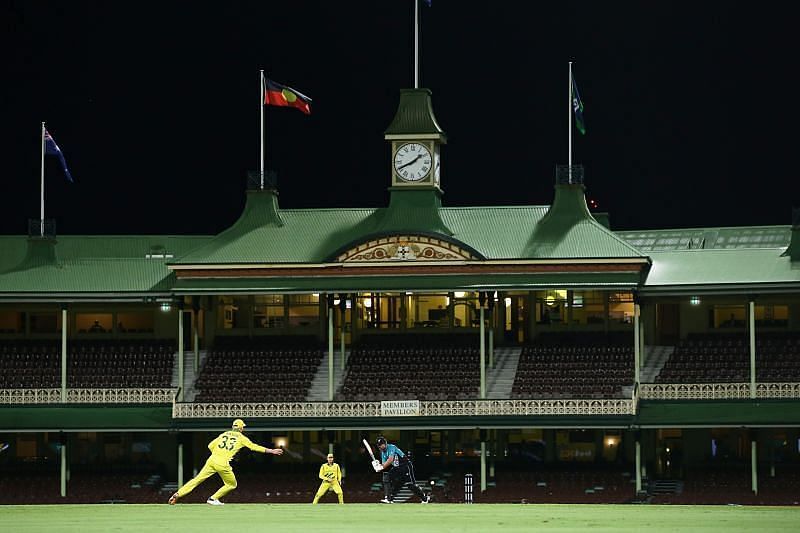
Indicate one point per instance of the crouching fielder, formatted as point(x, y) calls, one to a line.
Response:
point(222, 449)
point(331, 476)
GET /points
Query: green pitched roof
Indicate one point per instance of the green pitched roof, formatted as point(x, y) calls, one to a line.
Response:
point(708, 238)
point(568, 230)
point(730, 268)
point(316, 235)
point(414, 114)
point(89, 264)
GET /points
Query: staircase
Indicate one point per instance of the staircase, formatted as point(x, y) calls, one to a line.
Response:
point(500, 379)
point(318, 391)
point(665, 486)
point(655, 358)
point(189, 375)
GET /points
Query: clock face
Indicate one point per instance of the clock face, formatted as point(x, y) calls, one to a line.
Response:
point(412, 162)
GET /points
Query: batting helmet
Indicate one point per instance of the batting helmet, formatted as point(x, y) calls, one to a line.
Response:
point(380, 440)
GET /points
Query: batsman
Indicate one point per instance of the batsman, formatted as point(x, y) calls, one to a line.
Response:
point(331, 476)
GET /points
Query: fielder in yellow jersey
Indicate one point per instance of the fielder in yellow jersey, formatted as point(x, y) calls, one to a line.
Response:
point(331, 476)
point(222, 449)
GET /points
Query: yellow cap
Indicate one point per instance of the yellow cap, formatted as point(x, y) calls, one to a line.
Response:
point(238, 424)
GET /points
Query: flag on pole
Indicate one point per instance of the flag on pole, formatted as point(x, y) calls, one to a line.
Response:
point(577, 107)
point(283, 96)
point(51, 148)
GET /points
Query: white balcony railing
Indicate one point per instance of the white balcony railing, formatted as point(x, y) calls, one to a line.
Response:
point(716, 391)
point(83, 396)
point(587, 407)
point(538, 407)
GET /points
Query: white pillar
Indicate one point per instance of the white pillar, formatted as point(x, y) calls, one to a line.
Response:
point(196, 339)
point(343, 309)
point(483, 466)
point(752, 327)
point(180, 354)
point(64, 355)
point(638, 466)
point(636, 346)
point(64, 469)
point(330, 350)
point(491, 347)
point(483, 361)
point(642, 342)
point(753, 467)
point(180, 464)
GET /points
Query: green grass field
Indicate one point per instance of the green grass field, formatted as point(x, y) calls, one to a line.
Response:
point(286, 518)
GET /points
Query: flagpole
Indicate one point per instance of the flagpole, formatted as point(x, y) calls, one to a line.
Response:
point(416, 44)
point(569, 119)
point(41, 172)
point(261, 101)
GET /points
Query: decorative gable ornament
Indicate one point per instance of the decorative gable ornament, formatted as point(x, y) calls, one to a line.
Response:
point(406, 248)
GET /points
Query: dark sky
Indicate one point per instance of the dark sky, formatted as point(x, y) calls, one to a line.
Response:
point(689, 107)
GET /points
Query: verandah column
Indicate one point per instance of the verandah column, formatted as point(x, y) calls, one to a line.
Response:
point(196, 333)
point(751, 324)
point(753, 463)
point(180, 462)
point(181, 370)
point(638, 463)
point(482, 302)
point(636, 344)
point(63, 439)
point(330, 347)
point(483, 434)
point(63, 354)
point(343, 314)
point(491, 330)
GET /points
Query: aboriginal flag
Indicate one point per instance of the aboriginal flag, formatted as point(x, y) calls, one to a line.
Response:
point(283, 96)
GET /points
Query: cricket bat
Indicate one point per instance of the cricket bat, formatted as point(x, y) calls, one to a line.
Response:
point(369, 448)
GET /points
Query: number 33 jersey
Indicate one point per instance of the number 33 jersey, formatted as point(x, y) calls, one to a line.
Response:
point(224, 447)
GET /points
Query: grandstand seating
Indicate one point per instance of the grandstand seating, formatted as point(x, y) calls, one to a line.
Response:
point(424, 367)
point(30, 364)
point(259, 369)
point(701, 487)
point(139, 363)
point(570, 486)
point(719, 486)
point(725, 358)
point(564, 365)
point(82, 488)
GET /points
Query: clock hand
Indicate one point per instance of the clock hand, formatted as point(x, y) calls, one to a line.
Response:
point(404, 165)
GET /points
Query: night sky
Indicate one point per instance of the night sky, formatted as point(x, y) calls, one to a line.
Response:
point(689, 106)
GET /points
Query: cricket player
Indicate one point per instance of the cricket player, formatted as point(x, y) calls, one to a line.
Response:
point(331, 476)
point(398, 470)
point(222, 449)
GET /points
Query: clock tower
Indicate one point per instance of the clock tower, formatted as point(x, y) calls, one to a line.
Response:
point(415, 139)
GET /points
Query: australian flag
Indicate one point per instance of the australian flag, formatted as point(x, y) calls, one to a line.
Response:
point(51, 148)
